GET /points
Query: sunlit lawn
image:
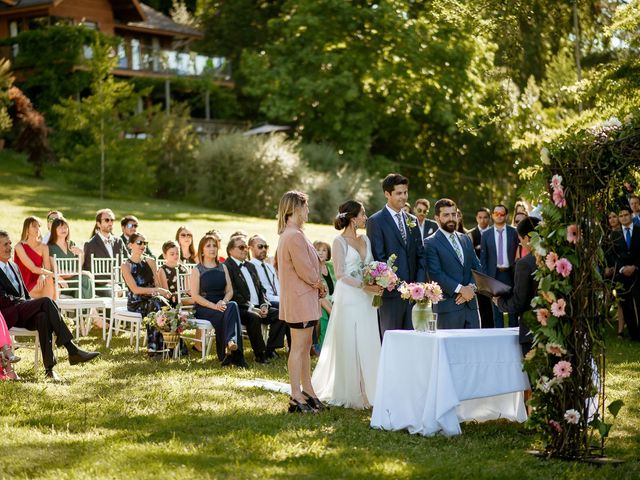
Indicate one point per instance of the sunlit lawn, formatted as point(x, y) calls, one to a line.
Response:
point(124, 416)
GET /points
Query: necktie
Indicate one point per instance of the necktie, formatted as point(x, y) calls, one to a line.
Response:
point(11, 276)
point(270, 280)
point(627, 237)
point(401, 227)
point(456, 248)
point(500, 247)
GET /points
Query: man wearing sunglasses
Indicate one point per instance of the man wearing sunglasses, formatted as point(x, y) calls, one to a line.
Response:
point(103, 244)
point(498, 248)
point(266, 272)
point(51, 216)
point(427, 227)
point(129, 226)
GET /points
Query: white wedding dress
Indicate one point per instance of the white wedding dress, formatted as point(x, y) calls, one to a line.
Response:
point(348, 366)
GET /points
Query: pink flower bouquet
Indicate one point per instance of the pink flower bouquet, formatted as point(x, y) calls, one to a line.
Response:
point(421, 293)
point(171, 320)
point(381, 274)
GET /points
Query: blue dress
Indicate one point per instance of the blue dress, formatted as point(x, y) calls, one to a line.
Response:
point(145, 304)
point(226, 324)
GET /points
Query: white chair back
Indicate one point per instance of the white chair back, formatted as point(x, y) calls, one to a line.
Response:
point(184, 284)
point(67, 267)
point(102, 269)
point(160, 262)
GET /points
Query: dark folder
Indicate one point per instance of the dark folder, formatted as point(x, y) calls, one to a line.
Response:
point(489, 286)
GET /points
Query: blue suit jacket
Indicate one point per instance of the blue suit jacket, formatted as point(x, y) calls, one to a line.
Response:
point(386, 240)
point(444, 267)
point(489, 254)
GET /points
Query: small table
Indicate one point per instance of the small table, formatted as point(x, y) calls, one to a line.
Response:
point(430, 382)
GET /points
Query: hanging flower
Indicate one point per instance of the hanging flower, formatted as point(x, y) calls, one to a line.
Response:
point(558, 198)
point(550, 260)
point(563, 267)
point(562, 369)
point(555, 425)
point(558, 308)
point(555, 349)
point(556, 182)
point(572, 416)
point(542, 316)
point(573, 234)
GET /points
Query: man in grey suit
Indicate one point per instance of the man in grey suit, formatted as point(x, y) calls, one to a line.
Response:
point(498, 248)
point(450, 258)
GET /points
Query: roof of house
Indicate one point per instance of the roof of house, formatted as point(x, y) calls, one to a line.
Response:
point(155, 20)
point(22, 4)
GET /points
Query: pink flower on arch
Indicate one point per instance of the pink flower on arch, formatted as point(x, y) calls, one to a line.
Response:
point(562, 369)
point(551, 260)
point(572, 416)
point(563, 267)
point(556, 425)
point(573, 234)
point(558, 307)
point(556, 182)
point(555, 349)
point(558, 198)
point(542, 316)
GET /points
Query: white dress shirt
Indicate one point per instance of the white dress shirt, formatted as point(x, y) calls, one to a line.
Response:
point(273, 276)
point(253, 293)
point(108, 242)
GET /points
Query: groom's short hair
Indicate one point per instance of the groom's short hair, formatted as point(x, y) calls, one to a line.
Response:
point(393, 179)
point(442, 203)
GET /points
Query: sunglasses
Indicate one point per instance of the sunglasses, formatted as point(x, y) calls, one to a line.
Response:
point(132, 225)
point(186, 235)
point(499, 214)
point(107, 220)
point(421, 210)
point(261, 246)
point(241, 247)
point(141, 242)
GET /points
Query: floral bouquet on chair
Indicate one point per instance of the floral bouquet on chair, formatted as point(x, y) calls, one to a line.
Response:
point(170, 320)
point(381, 274)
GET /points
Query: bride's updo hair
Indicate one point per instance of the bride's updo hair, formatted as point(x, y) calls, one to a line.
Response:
point(348, 210)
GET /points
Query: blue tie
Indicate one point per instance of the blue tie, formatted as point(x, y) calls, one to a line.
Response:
point(627, 237)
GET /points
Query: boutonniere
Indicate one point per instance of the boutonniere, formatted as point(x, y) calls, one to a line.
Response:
point(410, 222)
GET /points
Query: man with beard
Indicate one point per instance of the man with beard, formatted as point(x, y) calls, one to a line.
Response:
point(450, 258)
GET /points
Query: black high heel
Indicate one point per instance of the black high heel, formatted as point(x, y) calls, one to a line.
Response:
point(315, 402)
point(299, 407)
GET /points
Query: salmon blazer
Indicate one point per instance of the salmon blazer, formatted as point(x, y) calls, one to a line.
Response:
point(298, 269)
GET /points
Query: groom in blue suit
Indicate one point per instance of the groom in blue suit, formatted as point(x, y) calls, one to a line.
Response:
point(393, 231)
point(450, 258)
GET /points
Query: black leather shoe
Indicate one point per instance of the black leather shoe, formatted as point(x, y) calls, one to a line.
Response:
point(53, 376)
point(81, 356)
point(262, 359)
point(315, 402)
point(299, 407)
point(271, 354)
point(226, 361)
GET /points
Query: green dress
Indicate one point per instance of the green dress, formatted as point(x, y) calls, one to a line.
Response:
point(86, 280)
point(330, 285)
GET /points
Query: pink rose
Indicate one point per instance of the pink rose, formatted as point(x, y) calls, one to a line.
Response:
point(542, 315)
point(556, 182)
point(562, 369)
point(551, 260)
point(417, 292)
point(557, 308)
point(558, 198)
point(573, 234)
point(555, 425)
point(563, 267)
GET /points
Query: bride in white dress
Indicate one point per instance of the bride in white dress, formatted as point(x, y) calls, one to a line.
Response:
point(348, 366)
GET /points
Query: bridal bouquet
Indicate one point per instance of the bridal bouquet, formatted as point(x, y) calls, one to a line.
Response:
point(172, 320)
point(381, 274)
point(421, 293)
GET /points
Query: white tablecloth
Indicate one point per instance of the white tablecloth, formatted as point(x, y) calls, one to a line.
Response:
point(431, 382)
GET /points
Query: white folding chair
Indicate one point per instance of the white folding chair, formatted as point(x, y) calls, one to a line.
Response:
point(160, 262)
point(206, 331)
point(16, 332)
point(102, 269)
point(122, 320)
point(69, 299)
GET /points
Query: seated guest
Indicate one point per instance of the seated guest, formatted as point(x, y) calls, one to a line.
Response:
point(184, 237)
point(329, 280)
point(255, 310)
point(218, 236)
point(41, 314)
point(61, 246)
point(51, 216)
point(7, 358)
point(103, 244)
point(129, 225)
point(212, 293)
point(168, 272)
point(266, 271)
point(32, 258)
point(145, 294)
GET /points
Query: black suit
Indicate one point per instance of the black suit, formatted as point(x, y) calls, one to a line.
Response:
point(97, 248)
point(484, 303)
point(251, 320)
point(41, 314)
point(519, 301)
point(619, 256)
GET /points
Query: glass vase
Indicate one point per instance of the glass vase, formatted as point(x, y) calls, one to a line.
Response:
point(423, 318)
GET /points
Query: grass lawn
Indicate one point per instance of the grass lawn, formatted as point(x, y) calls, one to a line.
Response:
point(124, 416)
